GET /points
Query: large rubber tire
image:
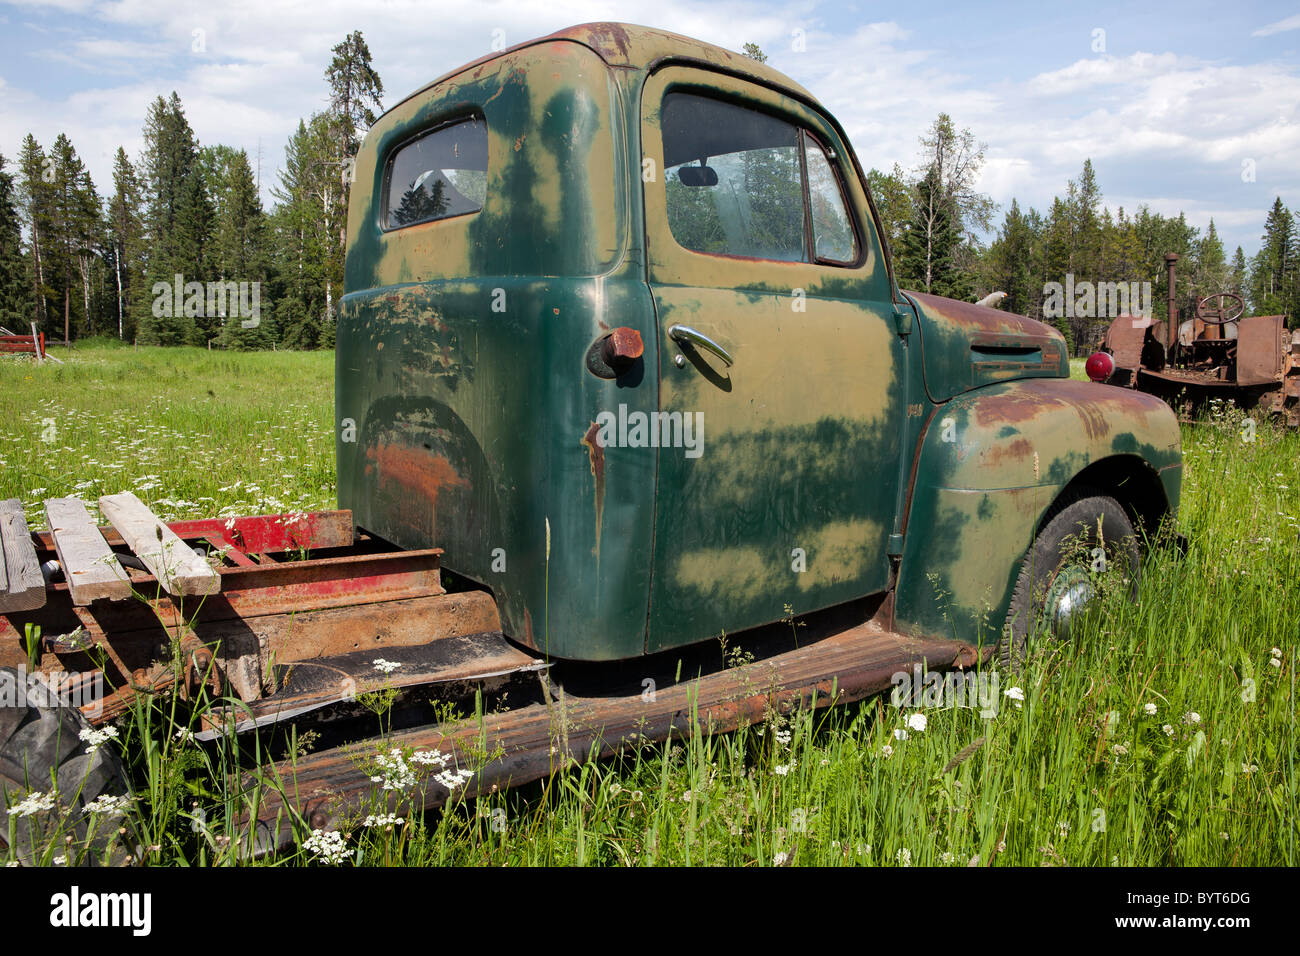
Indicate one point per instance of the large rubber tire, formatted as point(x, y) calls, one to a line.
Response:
point(40, 743)
point(1073, 521)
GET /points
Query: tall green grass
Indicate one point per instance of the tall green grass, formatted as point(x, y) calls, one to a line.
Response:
point(1078, 772)
point(193, 433)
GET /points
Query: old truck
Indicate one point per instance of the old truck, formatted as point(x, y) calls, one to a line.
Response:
point(622, 367)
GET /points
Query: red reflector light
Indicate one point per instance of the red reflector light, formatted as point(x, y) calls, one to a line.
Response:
point(1100, 366)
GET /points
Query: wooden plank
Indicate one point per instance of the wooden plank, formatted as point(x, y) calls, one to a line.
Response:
point(178, 569)
point(89, 565)
point(23, 588)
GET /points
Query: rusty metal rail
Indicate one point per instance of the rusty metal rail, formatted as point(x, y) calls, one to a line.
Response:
point(328, 789)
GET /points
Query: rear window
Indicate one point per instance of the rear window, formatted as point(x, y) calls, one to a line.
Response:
point(440, 175)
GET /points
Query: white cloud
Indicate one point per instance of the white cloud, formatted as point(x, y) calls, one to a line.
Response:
point(1281, 26)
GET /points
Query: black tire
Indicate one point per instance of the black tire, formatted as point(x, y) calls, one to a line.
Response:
point(41, 750)
point(1070, 532)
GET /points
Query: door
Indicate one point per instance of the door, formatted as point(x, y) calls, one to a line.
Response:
point(780, 378)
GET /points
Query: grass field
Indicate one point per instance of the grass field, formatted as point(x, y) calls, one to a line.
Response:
point(1163, 735)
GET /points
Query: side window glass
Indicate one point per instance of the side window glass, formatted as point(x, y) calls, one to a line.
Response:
point(439, 175)
point(733, 179)
point(832, 228)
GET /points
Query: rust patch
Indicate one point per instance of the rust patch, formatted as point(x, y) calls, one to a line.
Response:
point(982, 318)
point(417, 471)
point(528, 629)
point(519, 142)
point(596, 453)
point(1016, 450)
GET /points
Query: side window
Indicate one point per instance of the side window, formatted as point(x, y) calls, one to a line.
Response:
point(733, 179)
point(832, 228)
point(439, 175)
point(741, 182)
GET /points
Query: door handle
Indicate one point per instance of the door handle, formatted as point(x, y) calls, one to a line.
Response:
point(685, 334)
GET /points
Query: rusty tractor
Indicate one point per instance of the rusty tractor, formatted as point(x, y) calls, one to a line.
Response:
point(1252, 362)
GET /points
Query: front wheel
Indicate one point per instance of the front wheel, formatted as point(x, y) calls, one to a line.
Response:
point(1087, 542)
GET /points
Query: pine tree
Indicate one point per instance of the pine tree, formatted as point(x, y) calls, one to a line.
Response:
point(37, 200)
point(893, 200)
point(178, 224)
point(1237, 276)
point(239, 241)
point(126, 243)
point(75, 220)
point(355, 91)
point(1274, 265)
point(15, 294)
point(930, 240)
point(1011, 259)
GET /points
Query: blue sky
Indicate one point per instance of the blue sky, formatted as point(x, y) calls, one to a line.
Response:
point(1169, 101)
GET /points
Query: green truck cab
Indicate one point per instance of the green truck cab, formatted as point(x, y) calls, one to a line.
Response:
point(620, 334)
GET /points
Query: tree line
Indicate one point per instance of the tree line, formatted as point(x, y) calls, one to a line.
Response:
point(934, 217)
point(77, 264)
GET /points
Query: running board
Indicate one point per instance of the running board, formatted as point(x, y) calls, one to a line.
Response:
point(325, 789)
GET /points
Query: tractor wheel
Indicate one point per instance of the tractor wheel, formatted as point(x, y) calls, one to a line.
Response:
point(41, 752)
point(1060, 574)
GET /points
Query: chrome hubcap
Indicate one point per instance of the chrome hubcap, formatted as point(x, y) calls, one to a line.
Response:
point(1070, 591)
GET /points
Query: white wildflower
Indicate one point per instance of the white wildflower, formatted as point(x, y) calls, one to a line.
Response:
point(385, 666)
point(96, 738)
point(1015, 694)
point(916, 722)
point(900, 733)
point(394, 772)
point(904, 857)
point(1168, 729)
point(108, 804)
point(383, 820)
point(326, 846)
point(780, 859)
point(1191, 717)
point(453, 779)
point(35, 803)
point(1149, 708)
point(887, 751)
point(430, 758)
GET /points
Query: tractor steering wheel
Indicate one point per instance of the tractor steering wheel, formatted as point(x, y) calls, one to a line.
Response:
point(1203, 313)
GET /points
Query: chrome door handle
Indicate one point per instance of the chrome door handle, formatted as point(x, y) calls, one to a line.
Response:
point(684, 333)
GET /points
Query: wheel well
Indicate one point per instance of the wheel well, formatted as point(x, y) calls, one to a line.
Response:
point(1130, 481)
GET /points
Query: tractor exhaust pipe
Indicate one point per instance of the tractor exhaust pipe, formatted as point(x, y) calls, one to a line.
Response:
point(1170, 259)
